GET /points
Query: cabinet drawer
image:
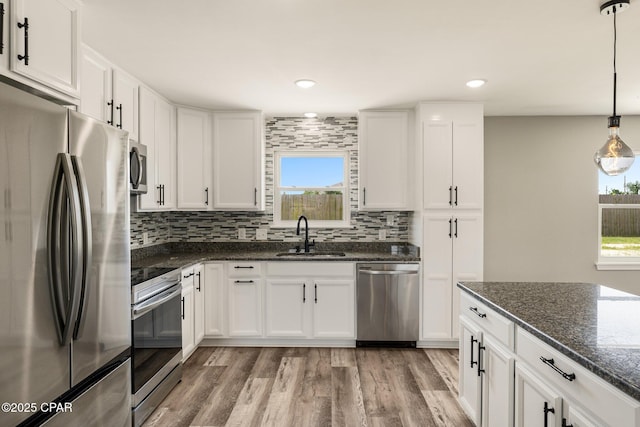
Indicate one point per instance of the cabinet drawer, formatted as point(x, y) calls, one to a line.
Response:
point(488, 320)
point(594, 395)
point(313, 269)
point(244, 269)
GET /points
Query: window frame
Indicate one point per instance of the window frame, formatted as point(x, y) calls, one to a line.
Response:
point(277, 188)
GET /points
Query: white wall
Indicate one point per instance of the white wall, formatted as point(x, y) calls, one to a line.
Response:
point(541, 197)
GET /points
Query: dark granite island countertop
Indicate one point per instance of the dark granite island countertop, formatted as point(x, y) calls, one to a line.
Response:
point(178, 255)
point(596, 326)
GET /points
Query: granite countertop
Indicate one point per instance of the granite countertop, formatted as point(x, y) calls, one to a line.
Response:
point(180, 255)
point(596, 326)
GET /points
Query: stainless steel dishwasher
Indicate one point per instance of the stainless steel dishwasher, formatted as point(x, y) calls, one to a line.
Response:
point(387, 305)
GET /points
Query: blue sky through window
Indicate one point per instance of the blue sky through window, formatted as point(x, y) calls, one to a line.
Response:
point(608, 183)
point(311, 171)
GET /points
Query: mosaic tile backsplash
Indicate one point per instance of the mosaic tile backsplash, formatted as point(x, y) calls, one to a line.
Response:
point(290, 133)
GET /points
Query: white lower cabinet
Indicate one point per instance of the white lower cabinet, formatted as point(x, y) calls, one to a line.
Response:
point(334, 308)
point(198, 303)
point(287, 308)
point(244, 290)
point(508, 377)
point(188, 333)
point(214, 301)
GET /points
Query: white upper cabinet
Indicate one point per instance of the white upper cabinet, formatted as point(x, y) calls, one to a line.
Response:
point(108, 93)
point(45, 42)
point(125, 103)
point(453, 155)
point(194, 159)
point(158, 133)
point(238, 161)
point(383, 160)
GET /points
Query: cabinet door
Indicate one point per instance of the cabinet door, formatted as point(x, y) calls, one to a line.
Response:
point(437, 291)
point(468, 163)
point(214, 301)
point(53, 42)
point(286, 307)
point(382, 159)
point(125, 98)
point(165, 137)
point(238, 161)
point(469, 382)
point(188, 336)
point(198, 303)
point(536, 404)
point(497, 384)
point(437, 140)
point(333, 308)
point(194, 159)
point(150, 200)
point(245, 307)
point(467, 253)
point(95, 86)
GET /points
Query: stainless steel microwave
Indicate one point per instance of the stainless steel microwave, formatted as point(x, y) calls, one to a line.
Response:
point(137, 168)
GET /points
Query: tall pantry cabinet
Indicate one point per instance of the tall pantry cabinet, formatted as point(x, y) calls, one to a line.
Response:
point(450, 218)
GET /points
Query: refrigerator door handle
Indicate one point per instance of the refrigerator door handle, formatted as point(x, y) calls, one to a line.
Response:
point(87, 242)
point(64, 293)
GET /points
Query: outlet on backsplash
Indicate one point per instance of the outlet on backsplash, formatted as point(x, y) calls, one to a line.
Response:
point(390, 220)
point(382, 234)
point(261, 234)
point(242, 233)
point(145, 238)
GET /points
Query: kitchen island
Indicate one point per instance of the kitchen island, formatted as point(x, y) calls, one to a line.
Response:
point(575, 336)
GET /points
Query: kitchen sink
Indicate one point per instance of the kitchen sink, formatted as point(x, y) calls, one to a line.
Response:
point(326, 254)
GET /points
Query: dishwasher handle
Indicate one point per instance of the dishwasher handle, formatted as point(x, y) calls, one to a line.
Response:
point(388, 272)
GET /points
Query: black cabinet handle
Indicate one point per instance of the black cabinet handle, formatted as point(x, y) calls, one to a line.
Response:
point(547, 409)
point(182, 314)
point(243, 281)
point(1, 28)
point(564, 423)
point(188, 275)
point(450, 228)
point(162, 199)
point(199, 281)
point(206, 194)
point(456, 199)
point(25, 25)
point(159, 187)
point(364, 196)
point(481, 348)
point(255, 197)
point(475, 310)
point(551, 363)
point(110, 105)
point(243, 266)
point(315, 293)
point(304, 292)
point(119, 108)
point(455, 233)
point(450, 196)
point(473, 340)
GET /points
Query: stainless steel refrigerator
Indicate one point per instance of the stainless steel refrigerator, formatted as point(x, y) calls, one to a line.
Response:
point(65, 332)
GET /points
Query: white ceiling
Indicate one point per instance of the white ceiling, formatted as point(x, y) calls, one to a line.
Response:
point(540, 57)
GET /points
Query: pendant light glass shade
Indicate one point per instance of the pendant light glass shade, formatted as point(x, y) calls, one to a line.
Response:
point(615, 157)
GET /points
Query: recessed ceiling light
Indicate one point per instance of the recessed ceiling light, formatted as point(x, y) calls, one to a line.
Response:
point(310, 115)
point(476, 83)
point(305, 83)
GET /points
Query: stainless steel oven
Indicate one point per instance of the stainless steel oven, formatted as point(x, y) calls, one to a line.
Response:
point(137, 168)
point(156, 321)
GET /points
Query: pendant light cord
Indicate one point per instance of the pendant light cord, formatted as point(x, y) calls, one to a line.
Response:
point(615, 37)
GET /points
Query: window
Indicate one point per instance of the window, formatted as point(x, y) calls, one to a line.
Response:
point(313, 184)
point(619, 220)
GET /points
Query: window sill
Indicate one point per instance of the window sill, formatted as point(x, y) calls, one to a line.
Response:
point(312, 224)
point(618, 265)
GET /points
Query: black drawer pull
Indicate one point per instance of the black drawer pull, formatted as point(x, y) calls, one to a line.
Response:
point(475, 310)
point(243, 266)
point(243, 281)
point(187, 276)
point(551, 363)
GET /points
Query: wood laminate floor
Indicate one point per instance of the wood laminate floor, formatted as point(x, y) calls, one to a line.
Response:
point(325, 387)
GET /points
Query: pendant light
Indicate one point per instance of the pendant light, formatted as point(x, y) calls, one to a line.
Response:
point(615, 157)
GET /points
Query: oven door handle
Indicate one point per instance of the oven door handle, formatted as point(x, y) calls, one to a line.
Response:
point(148, 305)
